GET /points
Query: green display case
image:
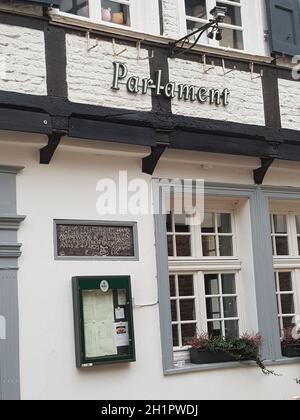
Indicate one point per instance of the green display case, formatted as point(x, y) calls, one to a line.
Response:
point(104, 331)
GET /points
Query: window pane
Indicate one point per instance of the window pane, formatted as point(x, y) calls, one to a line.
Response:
point(175, 335)
point(115, 13)
point(213, 308)
point(208, 225)
point(285, 282)
point(196, 8)
point(232, 39)
point(76, 7)
point(188, 331)
point(169, 223)
point(209, 246)
point(232, 329)
point(172, 286)
point(230, 307)
point(215, 329)
point(288, 322)
point(183, 246)
point(282, 246)
point(287, 304)
point(225, 243)
point(233, 15)
point(280, 223)
point(180, 223)
point(211, 284)
point(186, 285)
point(298, 224)
point(174, 311)
point(187, 310)
point(228, 284)
point(224, 223)
point(170, 246)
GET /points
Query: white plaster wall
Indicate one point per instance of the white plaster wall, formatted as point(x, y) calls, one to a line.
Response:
point(22, 65)
point(66, 189)
point(171, 18)
point(245, 100)
point(90, 74)
point(289, 92)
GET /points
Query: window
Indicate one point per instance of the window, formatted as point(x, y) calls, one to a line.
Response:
point(280, 239)
point(197, 14)
point(204, 276)
point(285, 234)
point(221, 305)
point(217, 236)
point(285, 294)
point(139, 15)
point(243, 27)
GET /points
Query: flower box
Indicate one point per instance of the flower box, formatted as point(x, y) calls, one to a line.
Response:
point(291, 350)
point(203, 357)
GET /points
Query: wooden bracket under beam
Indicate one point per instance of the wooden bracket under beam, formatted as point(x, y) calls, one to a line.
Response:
point(150, 162)
point(47, 152)
point(260, 173)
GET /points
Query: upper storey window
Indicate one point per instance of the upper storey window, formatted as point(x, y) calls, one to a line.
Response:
point(138, 15)
point(197, 14)
point(243, 27)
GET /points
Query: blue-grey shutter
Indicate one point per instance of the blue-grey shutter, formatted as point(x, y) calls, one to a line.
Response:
point(284, 26)
point(44, 2)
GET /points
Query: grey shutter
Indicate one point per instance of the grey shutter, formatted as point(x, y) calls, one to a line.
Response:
point(284, 26)
point(44, 2)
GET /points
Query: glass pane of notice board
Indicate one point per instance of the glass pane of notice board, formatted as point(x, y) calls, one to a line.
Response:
point(103, 320)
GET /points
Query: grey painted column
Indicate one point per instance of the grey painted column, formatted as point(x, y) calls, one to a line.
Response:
point(264, 275)
point(9, 313)
point(163, 291)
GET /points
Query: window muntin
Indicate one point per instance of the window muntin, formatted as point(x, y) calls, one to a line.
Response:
point(217, 236)
point(116, 12)
point(214, 238)
point(197, 14)
point(221, 305)
point(203, 299)
point(183, 308)
point(179, 236)
point(285, 294)
point(285, 225)
point(279, 234)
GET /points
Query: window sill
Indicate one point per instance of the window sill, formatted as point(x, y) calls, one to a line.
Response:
point(190, 368)
point(72, 21)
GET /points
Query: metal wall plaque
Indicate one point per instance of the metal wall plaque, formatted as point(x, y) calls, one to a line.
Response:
point(95, 240)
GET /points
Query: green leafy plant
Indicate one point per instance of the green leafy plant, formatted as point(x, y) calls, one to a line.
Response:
point(244, 348)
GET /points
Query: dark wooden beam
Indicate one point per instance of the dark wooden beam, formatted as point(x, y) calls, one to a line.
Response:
point(150, 162)
point(47, 152)
point(271, 98)
point(260, 173)
point(25, 121)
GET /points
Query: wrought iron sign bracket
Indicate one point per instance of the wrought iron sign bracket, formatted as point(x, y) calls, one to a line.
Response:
point(260, 173)
point(47, 152)
point(188, 42)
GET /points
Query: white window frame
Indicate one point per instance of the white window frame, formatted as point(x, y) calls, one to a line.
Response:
point(199, 266)
point(144, 16)
point(291, 262)
point(294, 280)
point(253, 27)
